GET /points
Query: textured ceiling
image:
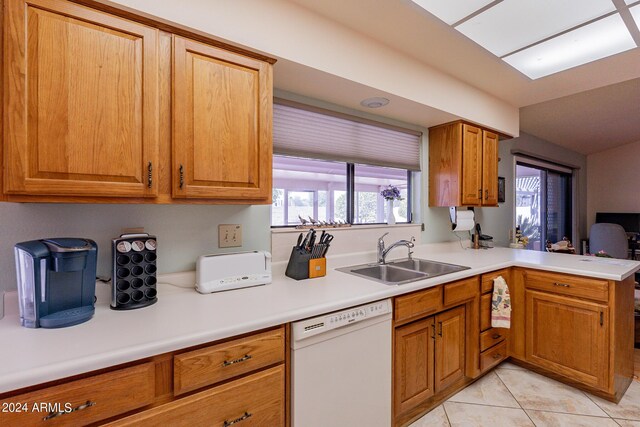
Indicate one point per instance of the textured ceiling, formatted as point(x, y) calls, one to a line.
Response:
point(590, 121)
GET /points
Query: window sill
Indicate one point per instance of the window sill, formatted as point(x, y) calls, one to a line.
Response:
point(293, 229)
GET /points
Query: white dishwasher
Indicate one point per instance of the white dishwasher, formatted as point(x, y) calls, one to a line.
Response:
point(341, 368)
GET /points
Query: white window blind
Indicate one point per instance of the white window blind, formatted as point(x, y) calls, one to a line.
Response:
point(310, 132)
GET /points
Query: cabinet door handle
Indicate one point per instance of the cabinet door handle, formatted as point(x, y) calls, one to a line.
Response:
point(242, 359)
point(181, 177)
point(246, 415)
point(496, 336)
point(564, 285)
point(486, 194)
point(601, 318)
point(52, 415)
point(433, 327)
point(480, 194)
point(440, 328)
point(149, 174)
point(497, 356)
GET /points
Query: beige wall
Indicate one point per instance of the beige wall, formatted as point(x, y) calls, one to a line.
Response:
point(498, 221)
point(613, 180)
point(286, 30)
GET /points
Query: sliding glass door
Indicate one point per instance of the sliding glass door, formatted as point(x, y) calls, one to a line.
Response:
point(544, 198)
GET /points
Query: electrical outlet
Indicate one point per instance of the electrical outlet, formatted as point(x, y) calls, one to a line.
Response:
point(229, 235)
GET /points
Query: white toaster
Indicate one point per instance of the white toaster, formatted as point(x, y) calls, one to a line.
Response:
point(223, 272)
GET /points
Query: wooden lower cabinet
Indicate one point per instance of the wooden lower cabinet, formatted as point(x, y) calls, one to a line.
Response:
point(449, 348)
point(575, 329)
point(569, 336)
point(241, 380)
point(429, 356)
point(256, 400)
point(414, 364)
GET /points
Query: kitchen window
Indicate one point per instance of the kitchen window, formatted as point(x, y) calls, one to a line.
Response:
point(320, 189)
point(333, 166)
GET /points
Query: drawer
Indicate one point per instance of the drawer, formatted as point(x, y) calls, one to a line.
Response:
point(460, 291)
point(417, 304)
point(493, 356)
point(564, 284)
point(255, 400)
point(95, 398)
point(491, 337)
point(487, 279)
point(210, 365)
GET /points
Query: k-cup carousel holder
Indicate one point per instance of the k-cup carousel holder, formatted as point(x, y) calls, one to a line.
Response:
point(134, 271)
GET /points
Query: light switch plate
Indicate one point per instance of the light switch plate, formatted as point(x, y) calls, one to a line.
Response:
point(229, 235)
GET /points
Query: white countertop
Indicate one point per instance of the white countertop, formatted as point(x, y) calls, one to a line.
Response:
point(183, 318)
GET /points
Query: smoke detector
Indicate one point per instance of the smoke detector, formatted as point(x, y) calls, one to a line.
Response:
point(375, 102)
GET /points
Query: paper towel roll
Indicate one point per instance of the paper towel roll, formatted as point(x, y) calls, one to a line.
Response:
point(464, 221)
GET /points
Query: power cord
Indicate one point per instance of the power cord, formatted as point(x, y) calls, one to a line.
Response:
point(460, 238)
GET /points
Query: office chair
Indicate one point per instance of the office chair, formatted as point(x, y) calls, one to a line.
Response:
point(610, 238)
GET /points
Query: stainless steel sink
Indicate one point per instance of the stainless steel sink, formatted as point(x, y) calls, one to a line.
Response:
point(403, 271)
point(387, 274)
point(432, 268)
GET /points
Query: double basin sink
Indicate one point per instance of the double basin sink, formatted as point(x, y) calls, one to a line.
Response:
point(402, 271)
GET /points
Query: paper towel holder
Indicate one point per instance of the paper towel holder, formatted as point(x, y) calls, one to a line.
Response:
point(453, 216)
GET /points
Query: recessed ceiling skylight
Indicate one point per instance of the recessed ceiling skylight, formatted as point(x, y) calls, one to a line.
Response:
point(543, 37)
point(512, 25)
point(597, 40)
point(635, 12)
point(451, 11)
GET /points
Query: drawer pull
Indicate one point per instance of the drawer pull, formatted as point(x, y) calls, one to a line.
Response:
point(242, 359)
point(150, 175)
point(52, 415)
point(496, 336)
point(181, 170)
point(497, 356)
point(564, 285)
point(237, 420)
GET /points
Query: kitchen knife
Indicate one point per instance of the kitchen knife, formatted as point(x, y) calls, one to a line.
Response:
point(299, 241)
point(312, 240)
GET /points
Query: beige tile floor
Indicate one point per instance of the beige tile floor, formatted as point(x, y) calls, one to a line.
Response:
point(511, 396)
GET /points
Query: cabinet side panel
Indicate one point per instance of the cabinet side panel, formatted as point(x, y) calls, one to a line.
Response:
point(445, 165)
point(622, 350)
point(516, 333)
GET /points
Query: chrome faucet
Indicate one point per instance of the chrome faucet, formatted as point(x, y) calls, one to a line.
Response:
point(382, 251)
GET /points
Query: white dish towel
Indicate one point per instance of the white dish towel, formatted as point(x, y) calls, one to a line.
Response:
point(500, 304)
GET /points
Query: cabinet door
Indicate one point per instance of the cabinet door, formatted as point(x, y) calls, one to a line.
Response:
point(568, 336)
point(471, 165)
point(222, 109)
point(81, 102)
point(413, 364)
point(449, 348)
point(489, 168)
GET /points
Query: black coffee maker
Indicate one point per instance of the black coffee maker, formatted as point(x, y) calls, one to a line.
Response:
point(56, 281)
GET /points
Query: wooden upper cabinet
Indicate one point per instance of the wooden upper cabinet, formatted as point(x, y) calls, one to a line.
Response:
point(463, 165)
point(81, 102)
point(489, 168)
point(471, 165)
point(222, 113)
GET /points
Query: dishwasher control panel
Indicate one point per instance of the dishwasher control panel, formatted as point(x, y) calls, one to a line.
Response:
point(317, 325)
